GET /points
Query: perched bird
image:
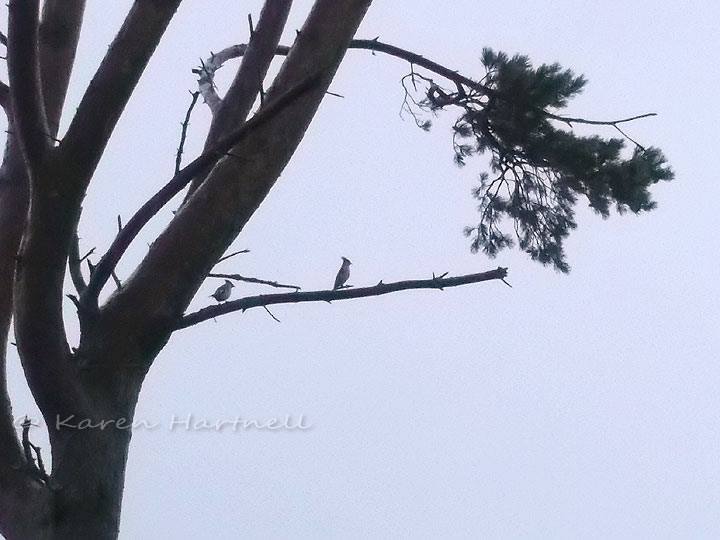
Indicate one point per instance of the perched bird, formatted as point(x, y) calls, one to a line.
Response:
point(343, 274)
point(223, 291)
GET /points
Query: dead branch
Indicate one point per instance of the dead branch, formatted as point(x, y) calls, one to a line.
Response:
point(226, 257)
point(238, 277)
point(381, 288)
point(183, 132)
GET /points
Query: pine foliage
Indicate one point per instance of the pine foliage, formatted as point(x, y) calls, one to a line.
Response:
point(538, 167)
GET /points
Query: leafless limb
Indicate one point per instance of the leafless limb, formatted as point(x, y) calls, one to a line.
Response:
point(242, 304)
point(238, 277)
point(226, 257)
point(271, 314)
point(122, 241)
point(25, 81)
point(183, 132)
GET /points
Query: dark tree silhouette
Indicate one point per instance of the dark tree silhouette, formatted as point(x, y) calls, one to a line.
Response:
point(539, 169)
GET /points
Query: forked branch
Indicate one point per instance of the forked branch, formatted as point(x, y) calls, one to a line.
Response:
point(122, 241)
point(264, 300)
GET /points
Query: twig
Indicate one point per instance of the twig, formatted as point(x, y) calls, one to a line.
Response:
point(183, 132)
point(226, 257)
point(87, 255)
point(381, 288)
point(238, 277)
point(270, 313)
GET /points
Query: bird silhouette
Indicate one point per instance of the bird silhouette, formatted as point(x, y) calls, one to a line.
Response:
point(343, 274)
point(222, 293)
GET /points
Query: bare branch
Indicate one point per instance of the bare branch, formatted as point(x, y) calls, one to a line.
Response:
point(59, 34)
point(25, 84)
point(122, 241)
point(112, 86)
point(238, 277)
point(226, 257)
point(183, 132)
point(271, 314)
point(381, 288)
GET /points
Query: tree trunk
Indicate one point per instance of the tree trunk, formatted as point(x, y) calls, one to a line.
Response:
point(87, 481)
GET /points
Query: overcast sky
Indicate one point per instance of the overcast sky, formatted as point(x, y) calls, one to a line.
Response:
point(569, 406)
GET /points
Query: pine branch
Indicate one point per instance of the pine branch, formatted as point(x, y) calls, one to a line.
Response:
point(415, 59)
point(242, 304)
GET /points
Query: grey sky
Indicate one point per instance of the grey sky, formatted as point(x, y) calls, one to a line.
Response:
point(568, 406)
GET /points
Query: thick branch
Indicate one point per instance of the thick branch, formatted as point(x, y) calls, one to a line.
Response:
point(112, 86)
point(59, 34)
point(13, 208)
point(25, 84)
point(248, 80)
point(381, 288)
point(233, 109)
point(207, 224)
point(207, 159)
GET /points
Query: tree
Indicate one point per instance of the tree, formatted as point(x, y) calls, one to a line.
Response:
point(539, 170)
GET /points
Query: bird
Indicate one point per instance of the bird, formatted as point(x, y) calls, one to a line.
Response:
point(222, 293)
point(343, 274)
